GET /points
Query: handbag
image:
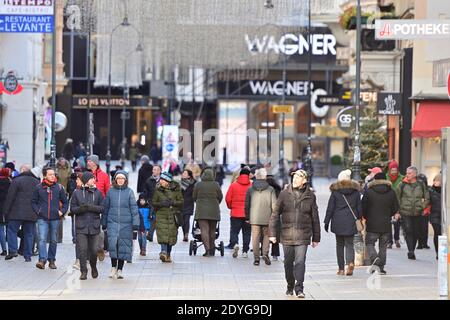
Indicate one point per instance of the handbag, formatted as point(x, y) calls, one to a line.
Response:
point(358, 222)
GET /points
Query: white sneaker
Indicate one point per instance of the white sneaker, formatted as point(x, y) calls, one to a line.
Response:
point(76, 265)
point(113, 273)
point(244, 255)
point(235, 251)
point(119, 274)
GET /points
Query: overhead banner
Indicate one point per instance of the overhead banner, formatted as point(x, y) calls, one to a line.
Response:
point(411, 29)
point(170, 147)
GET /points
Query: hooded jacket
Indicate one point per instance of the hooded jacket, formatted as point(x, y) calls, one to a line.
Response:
point(46, 201)
point(300, 223)
point(207, 196)
point(260, 202)
point(145, 172)
point(87, 205)
point(187, 188)
point(167, 202)
point(413, 198)
point(18, 205)
point(338, 212)
point(379, 204)
point(102, 181)
point(235, 197)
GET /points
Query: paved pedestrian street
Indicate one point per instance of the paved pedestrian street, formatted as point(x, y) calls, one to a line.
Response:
point(200, 278)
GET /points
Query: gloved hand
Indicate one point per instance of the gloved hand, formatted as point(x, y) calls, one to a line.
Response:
point(135, 233)
point(166, 203)
point(326, 227)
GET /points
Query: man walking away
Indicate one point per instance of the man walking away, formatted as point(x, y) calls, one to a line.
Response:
point(235, 200)
point(149, 189)
point(379, 205)
point(413, 198)
point(260, 202)
point(45, 202)
point(300, 225)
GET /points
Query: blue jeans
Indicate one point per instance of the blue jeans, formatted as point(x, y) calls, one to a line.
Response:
point(3, 236)
point(44, 228)
point(142, 238)
point(166, 248)
point(295, 266)
point(29, 229)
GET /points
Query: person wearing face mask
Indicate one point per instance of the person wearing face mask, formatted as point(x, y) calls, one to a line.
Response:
point(300, 226)
point(344, 207)
point(395, 177)
point(435, 209)
point(86, 206)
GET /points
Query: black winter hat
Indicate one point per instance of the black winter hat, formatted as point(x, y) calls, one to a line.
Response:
point(245, 170)
point(380, 176)
point(86, 177)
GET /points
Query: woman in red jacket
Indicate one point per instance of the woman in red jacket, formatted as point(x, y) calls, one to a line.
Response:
point(235, 199)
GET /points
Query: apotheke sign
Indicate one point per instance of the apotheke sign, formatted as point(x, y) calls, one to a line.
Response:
point(411, 29)
point(291, 44)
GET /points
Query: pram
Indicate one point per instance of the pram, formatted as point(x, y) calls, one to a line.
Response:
point(197, 234)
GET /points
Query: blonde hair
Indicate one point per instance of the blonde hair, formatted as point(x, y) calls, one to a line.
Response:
point(438, 177)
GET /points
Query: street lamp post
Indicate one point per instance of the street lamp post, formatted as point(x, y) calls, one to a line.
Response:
point(53, 138)
point(356, 149)
point(308, 162)
point(283, 118)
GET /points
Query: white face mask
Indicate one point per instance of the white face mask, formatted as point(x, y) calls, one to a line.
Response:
point(298, 182)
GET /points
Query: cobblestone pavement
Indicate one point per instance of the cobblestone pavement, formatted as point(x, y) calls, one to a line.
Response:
point(197, 277)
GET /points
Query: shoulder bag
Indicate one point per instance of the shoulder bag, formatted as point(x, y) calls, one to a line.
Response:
point(358, 222)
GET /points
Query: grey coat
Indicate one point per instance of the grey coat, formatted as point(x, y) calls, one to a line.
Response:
point(121, 217)
point(86, 205)
point(260, 202)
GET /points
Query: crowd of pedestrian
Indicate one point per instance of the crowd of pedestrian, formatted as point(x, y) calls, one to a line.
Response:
point(108, 214)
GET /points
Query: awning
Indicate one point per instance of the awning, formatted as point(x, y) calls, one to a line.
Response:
point(431, 118)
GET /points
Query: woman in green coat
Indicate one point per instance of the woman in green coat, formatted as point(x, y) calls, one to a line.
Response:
point(208, 195)
point(167, 200)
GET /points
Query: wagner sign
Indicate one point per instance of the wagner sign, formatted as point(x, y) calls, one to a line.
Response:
point(275, 88)
point(293, 44)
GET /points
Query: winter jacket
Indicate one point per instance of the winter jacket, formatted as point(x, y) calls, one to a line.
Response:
point(102, 181)
point(260, 202)
point(300, 223)
point(338, 212)
point(145, 172)
point(144, 219)
point(187, 188)
point(120, 217)
point(4, 187)
point(436, 205)
point(46, 201)
point(17, 206)
point(207, 196)
point(150, 188)
point(379, 204)
point(396, 182)
point(413, 198)
point(235, 197)
point(64, 173)
point(87, 205)
point(166, 202)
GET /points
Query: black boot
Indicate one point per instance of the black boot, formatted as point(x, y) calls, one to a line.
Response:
point(212, 252)
point(83, 276)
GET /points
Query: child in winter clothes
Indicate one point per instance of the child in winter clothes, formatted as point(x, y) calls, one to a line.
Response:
point(144, 215)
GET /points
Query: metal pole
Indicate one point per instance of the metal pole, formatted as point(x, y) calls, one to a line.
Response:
point(88, 111)
point(126, 96)
point(283, 101)
point(308, 164)
point(108, 153)
point(356, 151)
point(53, 139)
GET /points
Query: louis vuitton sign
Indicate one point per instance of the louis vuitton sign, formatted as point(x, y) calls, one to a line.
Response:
point(389, 103)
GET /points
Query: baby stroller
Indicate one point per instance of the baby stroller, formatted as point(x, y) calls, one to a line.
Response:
point(196, 233)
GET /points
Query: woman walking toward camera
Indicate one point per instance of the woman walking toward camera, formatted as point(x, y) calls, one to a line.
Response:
point(120, 220)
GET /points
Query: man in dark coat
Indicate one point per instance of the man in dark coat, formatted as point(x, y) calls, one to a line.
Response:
point(19, 212)
point(145, 172)
point(300, 225)
point(149, 189)
point(86, 205)
point(49, 203)
point(379, 205)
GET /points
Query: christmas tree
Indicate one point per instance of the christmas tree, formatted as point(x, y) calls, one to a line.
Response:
point(373, 142)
